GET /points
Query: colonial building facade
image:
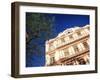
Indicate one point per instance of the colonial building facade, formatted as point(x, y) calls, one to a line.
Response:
point(70, 47)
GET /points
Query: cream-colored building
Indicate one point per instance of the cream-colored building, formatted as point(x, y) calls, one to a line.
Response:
point(70, 47)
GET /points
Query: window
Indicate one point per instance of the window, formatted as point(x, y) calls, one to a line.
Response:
point(81, 61)
point(79, 33)
point(70, 36)
point(76, 48)
point(66, 52)
point(52, 59)
point(86, 45)
point(88, 28)
point(62, 40)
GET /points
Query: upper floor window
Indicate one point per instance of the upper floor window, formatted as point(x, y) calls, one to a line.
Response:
point(66, 52)
point(79, 33)
point(70, 36)
point(76, 48)
point(62, 40)
point(86, 45)
point(52, 58)
point(88, 28)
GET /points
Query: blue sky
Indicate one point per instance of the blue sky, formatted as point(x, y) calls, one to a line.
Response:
point(62, 22)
